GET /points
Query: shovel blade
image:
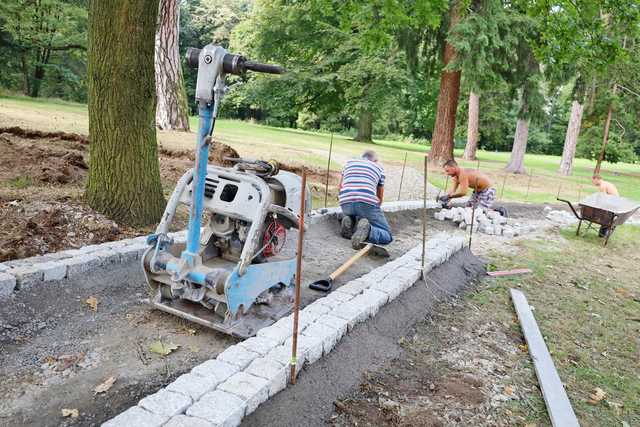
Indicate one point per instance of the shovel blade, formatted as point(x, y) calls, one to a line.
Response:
point(323, 285)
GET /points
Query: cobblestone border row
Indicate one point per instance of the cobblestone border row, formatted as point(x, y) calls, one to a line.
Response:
point(69, 264)
point(221, 391)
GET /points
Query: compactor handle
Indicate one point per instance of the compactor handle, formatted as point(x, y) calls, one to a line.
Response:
point(234, 64)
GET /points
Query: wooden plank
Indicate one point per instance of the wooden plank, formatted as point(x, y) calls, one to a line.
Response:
point(509, 272)
point(558, 405)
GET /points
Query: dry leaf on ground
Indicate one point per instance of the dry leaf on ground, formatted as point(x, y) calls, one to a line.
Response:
point(508, 390)
point(73, 413)
point(92, 302)
point(163, 349)
point(105, 386)
point(597, 396)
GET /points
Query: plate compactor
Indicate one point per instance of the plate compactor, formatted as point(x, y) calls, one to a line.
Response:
point(231, 274)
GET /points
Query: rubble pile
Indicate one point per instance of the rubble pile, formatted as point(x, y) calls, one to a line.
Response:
point(485, 221)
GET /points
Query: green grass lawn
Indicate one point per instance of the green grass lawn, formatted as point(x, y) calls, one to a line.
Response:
point(586, 300)
point(311, 148)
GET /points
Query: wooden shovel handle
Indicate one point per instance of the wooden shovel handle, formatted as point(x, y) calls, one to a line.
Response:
point(350, 261)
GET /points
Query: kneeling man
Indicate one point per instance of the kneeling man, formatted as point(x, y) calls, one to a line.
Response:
point(361, 194)
point(484, 194)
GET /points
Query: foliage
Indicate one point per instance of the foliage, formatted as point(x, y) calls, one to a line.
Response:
point(42, 47)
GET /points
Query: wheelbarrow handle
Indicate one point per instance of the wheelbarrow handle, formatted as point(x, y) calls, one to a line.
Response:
point(571, 206)
point(362, 252)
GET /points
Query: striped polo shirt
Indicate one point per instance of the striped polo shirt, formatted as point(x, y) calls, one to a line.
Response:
point(360, 181)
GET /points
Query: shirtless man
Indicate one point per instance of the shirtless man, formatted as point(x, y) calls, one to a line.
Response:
point(483, 193)
point(604, 186)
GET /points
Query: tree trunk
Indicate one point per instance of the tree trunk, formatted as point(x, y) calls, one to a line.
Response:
point(443, 132)
point(365, 126)
point(571, 138)
point(605, 137)
point(172, 109)
point(473, 133)
point(38, 75)
point(124, 173)
point(516, 163)
point(25, 73)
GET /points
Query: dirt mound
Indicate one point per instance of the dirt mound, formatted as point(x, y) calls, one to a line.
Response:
point(25, 162)
point(217, 153)
point(36, 134)
point(35, 228)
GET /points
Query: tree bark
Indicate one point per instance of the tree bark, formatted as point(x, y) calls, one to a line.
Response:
point(516, 163)
point(25, 73)
point(124, 173)
point(171, 109)
point(605, 136)
point(443, 132)
point(473, 125)
point(571, 138)
point(365, 127)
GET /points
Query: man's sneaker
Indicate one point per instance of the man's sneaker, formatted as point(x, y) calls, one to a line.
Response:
point(361, 234)
point(346, 227)
point(502, 211)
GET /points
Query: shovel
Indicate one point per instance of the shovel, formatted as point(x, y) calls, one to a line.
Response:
point(325, 285)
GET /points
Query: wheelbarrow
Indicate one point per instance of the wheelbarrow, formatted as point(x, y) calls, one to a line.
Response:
point(604, 209)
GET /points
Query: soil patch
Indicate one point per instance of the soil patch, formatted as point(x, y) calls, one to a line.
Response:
point(42, 179)
point(335, 382)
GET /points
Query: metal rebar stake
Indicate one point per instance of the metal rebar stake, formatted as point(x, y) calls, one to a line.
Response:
point(402, 175)
point(473, 216)
point(296, 304)
point(504, 183)
point(326, 185)
point(424, 213)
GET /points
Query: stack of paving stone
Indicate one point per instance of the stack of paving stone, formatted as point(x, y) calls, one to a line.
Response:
point(485, 221)
point(560, 217)
point(221, 391)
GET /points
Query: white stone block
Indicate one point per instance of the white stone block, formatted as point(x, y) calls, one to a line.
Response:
point(220, 408)
point(166, 403)
point(81, 265)
point(216, 369)
point(282, 355)
point(317, 309)
point(260, 345)
point(378, 298)
point(355, 287)
point(27, 276)
point(53, 270)
point(253, 390)
point(136, 416)
point(337, 323)
point(390, 287)
point(326, 334)
point(272, 371)
point(352, 313)
point(193, 385)
point(7, 284)
point(309, 346)
point(276, 332)
point(187, 421)
point(238, 356)
point(107, 256)
point(338, 296)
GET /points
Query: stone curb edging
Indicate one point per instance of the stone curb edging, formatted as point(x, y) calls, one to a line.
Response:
point(221, 391)
point(27, 272)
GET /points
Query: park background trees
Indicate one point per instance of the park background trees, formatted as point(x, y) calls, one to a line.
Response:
point(378, 69)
